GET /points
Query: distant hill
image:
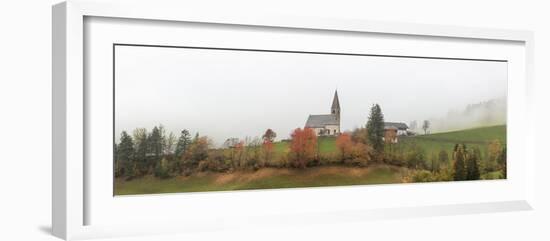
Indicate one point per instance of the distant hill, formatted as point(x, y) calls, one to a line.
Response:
point(486, 113)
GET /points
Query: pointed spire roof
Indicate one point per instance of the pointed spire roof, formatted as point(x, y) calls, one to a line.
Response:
point(335, 101)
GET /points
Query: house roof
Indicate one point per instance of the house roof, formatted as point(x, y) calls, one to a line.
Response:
point(398, 125)
point(320, 121)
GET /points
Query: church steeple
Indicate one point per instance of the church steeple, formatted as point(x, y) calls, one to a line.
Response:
point(335, 109)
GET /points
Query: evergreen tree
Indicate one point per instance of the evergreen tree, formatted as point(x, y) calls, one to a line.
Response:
point(460, 166)
point(183, 143)
point(156, 143)
point(472, 167)
point(125, 154)
point(375, 128)
point(141, 149)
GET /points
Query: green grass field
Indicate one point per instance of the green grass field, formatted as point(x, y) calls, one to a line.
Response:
point(265, 178)
point(477, 137)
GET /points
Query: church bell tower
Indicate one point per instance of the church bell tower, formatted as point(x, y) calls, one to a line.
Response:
point(335, 109)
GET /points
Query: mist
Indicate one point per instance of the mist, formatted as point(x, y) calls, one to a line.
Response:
point(487, 113)
point(237, 94)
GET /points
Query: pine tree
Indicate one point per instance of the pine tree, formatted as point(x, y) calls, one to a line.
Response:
point(183, 143)
point(125, 154)
point(472, 167)
point(459, 167)
point(156, 142)
point(375, 128)
point(141, 149)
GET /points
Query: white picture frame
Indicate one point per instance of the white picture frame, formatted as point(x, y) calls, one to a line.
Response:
point(71, 190)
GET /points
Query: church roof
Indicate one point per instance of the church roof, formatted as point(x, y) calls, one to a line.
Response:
point(320, 121)
point(335, 101)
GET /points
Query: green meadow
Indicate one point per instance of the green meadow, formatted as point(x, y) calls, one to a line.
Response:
point(476, 137)
point(265, 178)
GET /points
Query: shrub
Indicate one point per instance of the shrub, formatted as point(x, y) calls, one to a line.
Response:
point(423, 176)
point(416, 157)
point(360, 162)
point(203, 166)
point(161, 169)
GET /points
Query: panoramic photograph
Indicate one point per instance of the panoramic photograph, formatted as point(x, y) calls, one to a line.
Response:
point(189, 119)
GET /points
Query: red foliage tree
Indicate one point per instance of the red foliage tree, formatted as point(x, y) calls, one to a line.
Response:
point(344, 145)
point(302, 146)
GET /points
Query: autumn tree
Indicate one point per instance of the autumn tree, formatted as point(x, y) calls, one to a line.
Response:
point(426, 126)
point(198, 151)
point(303, 146)
point(361, 153)
point(269, 135)
point(344, 145)
point(494, 152)
point(375, 128)
point(359, 135)
point(459, 155)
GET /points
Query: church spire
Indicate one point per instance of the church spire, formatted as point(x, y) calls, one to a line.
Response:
point(335, 109)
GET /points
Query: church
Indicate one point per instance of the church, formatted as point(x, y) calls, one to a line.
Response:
point(326, 125)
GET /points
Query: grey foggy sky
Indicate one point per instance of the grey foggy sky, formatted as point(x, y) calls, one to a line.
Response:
point(222, 93)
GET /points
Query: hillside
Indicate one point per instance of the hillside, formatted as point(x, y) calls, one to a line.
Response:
point(261, 179)
point(478, 137)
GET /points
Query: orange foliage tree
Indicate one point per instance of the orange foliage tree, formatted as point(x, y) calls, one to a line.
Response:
point(303, 146)
point(344, 145)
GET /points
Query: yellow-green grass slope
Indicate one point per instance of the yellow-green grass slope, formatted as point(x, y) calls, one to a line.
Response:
point(265, 178)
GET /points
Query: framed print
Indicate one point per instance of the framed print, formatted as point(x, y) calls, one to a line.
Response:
point(177, 112)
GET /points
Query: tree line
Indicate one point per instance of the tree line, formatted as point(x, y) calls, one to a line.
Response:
point(164, 155)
